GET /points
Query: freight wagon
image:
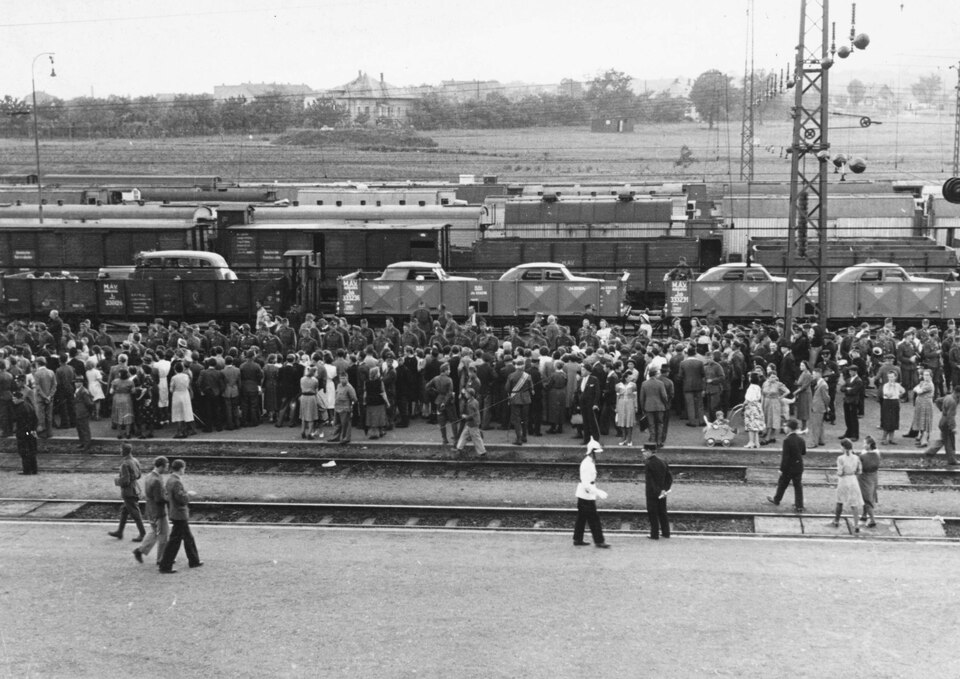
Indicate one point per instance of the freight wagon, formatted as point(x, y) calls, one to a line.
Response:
point(498, 301)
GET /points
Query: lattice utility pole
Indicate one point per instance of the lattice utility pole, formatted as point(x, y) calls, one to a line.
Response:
point(810, 150)
point(956, 127)
point(746, 126)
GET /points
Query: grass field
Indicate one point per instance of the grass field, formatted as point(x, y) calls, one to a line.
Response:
point(905, 148)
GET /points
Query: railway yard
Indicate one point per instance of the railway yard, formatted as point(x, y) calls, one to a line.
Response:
point(407, 559)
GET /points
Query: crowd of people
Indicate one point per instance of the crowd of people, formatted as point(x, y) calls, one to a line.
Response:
point(593, 381)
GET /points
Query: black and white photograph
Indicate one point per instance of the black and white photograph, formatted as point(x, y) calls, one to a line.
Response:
point(459, 340)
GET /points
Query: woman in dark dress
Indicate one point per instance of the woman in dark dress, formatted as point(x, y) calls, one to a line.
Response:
point(890, 394)
point(144, 406)
point(271, 400)
point(556, 395)
point(375, 398)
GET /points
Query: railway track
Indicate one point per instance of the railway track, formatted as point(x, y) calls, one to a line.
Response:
point(473, 468)
point(444, 517)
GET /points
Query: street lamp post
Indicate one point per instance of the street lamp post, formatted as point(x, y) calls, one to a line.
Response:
point(36, 134)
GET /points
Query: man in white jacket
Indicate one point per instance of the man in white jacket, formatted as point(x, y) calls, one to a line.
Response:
point(587, 494)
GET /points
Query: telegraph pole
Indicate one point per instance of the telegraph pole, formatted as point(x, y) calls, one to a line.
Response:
point(810, 149)
point(956, 127)
point(746, 126)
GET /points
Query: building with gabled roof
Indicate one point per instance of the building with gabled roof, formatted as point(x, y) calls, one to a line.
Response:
point(379, 101)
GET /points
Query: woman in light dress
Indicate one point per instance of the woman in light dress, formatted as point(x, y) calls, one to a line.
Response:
point(923, 409)
point(95, 385)
point(309, 410)
point(626, 408)
point(122, 412)
point(848, 488)
point(753, 420)
point(181, 403)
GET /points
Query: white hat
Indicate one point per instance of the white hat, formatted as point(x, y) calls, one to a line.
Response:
point(594, 446)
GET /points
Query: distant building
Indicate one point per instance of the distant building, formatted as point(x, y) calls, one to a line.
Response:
point(251, 91)
point(376, 99)
point(467, 90)
point(571, 88)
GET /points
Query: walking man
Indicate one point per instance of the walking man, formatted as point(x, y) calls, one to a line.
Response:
point(948, 429)
point(587, 494)
point(791, 467)
point(178, 506)
point(129, 493)
point(156, 512)
point(658, 482)
point(471, 422)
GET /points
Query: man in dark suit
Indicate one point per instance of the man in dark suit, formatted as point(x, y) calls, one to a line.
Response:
point(654, 402)
point(659, 480)
point(178, 502)
point(692, 376)
point(791, 467)
point(668, 385)
point(588, 396)
point(852, 393)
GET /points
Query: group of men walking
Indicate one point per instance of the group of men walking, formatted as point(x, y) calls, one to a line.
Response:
point(167, 502)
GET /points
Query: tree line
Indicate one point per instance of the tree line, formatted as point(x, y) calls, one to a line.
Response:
point(711, 98)
point(184, 115)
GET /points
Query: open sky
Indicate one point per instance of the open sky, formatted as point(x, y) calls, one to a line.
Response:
point(135, 47)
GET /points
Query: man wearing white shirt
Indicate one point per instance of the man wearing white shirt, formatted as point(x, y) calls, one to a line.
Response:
point(587, 494)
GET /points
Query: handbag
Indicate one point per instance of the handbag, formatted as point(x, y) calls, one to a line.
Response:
point(576, 419)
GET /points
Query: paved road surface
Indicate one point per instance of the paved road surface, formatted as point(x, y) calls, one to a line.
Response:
point(297, 603)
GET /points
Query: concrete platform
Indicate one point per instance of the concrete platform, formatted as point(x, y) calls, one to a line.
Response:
point(17, 508)
point(884, 528)
point(822, 526)
point(422, 440)
point(776, 525)
point(928, 528)
point(55, 511)
point(385, 604)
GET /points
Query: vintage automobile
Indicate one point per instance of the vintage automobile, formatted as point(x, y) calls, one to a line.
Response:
point(418, 271)
point(172, 265)
point(878, 272)
point(544, 271)
point(739, 271)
